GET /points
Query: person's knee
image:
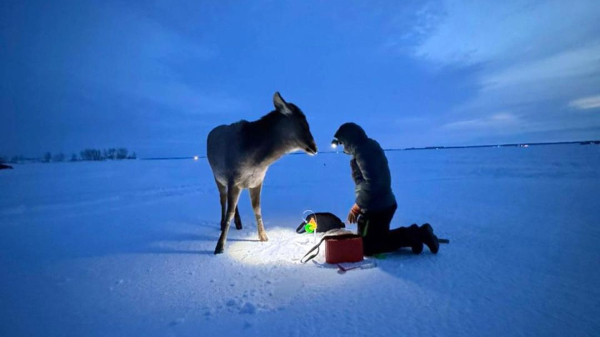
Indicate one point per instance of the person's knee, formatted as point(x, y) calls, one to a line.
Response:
point(374, 241)
point(371, 248)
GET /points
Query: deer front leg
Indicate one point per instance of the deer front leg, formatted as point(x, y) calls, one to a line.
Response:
point(233, 195)
point(255, 198)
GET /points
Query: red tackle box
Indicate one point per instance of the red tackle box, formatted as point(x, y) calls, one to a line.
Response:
point(344, 249)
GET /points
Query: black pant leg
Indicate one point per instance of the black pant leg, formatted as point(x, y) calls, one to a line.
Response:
point(404, 237)
point(374, 227)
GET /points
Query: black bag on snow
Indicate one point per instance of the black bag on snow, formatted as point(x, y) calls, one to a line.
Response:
point(325, 221)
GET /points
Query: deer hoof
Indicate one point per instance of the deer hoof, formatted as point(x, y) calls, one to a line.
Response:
point(238, 226)
point(219, 249)
point(263, 237)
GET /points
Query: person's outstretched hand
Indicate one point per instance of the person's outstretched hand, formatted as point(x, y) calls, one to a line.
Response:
point(353, 214)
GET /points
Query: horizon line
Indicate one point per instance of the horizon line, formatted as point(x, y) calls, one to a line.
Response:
point(583, 142)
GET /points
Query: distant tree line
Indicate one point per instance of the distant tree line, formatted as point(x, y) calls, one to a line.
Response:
point(106, 154)
point(13, 159)
point(85, 155)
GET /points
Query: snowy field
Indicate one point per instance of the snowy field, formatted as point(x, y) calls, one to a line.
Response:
point(126, 249)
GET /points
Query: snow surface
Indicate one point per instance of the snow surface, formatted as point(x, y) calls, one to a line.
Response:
point(126, 249)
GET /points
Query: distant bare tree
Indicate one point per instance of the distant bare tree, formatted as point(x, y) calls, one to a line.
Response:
point(74, 157)
point(47, 157)
point(122, 153)
point(91, 154)
point(112, 153)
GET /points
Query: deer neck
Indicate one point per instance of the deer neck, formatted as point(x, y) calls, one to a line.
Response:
point(270, 140)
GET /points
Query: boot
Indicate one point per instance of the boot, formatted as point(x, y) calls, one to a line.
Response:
point(428, 238)
point(415, 245)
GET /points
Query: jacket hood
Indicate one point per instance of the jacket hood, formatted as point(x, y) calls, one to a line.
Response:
point(351, 135)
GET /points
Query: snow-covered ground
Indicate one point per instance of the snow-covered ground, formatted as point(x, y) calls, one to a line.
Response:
point(125, 249)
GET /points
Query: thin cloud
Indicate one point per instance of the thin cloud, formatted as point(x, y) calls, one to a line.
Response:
point(475, 32)
point(591, 102)
point(569, 64)
point(529, 57)
point(499, 121)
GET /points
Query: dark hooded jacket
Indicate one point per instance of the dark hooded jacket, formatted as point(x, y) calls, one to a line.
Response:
point(370, 169)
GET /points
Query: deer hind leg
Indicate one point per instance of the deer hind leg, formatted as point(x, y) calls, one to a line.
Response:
point(223, 198)
point(237, 219)
point(233, 195)
point(255, 198)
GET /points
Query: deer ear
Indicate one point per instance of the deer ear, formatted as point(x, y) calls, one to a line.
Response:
point(281, 105)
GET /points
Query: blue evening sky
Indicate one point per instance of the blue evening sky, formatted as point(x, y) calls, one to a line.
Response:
point(156, 76)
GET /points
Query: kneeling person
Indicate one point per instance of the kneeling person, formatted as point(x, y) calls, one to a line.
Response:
point(375, 202)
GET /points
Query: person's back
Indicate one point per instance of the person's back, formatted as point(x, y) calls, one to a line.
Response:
point(375, 191)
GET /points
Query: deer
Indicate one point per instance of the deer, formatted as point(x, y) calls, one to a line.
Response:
point(240, 154)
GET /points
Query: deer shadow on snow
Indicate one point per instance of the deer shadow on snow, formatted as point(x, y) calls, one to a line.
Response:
point(239, 155)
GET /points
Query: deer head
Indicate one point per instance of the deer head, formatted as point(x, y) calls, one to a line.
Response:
point(295, 129)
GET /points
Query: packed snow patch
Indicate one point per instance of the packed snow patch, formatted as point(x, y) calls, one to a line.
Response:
point(285, 247)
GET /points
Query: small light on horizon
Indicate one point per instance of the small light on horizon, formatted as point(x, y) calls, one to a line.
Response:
point(196, 157)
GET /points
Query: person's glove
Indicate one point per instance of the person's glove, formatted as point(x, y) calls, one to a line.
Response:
point(353, 214)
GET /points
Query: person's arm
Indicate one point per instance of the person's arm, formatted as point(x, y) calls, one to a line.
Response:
point(356, 172)
point(359, 166)
point(358, 180)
